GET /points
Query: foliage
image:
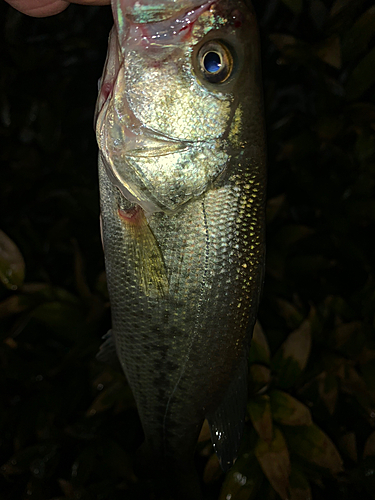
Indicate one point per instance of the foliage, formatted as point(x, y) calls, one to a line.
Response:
point(68, 424)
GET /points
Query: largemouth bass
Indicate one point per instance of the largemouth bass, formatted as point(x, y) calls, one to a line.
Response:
point(182, 182)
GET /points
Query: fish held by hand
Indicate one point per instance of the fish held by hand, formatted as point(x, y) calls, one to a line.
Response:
point(180, 130)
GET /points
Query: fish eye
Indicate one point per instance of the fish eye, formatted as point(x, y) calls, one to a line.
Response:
point(215, 62)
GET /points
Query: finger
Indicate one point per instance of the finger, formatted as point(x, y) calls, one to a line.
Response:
point(44, 8)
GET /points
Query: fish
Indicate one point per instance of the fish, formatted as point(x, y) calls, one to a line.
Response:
point(182, 176)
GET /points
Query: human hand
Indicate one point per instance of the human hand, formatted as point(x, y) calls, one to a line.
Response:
point(44, 8)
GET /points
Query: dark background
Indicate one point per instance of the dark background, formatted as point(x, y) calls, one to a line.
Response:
point(68, 425)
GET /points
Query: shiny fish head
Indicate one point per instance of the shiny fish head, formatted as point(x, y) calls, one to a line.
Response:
point(175, 101)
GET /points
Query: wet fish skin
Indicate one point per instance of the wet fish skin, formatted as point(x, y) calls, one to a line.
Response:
point(182, 181)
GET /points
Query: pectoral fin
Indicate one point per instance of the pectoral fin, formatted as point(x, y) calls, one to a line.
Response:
point(227, 423)
point(145, 253)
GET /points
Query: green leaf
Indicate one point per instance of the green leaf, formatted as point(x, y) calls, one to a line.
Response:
point(12, 265)
point(294, 5)
point(291, 358)
point(245, 477)
point(274, 460)
point(259, 349)
point(287, 410)
point(311, 443)
point(259, 410)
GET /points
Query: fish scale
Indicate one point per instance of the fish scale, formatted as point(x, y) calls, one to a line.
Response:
point(182, 205)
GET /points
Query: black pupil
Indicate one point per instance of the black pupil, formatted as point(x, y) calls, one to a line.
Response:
point(212, 62)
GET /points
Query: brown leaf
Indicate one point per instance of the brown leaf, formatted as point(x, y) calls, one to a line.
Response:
point(292, 356)
point(348, 445)
point(274, 460)
point(243, 480)
point(205, 434)
point(274, 205)
point(12, 265)
point(259, 379)
point(311, 443)
point(282, 41)
point(345, 331)
point(369, 446)
point(213, 470)
point(298, 344)
point(12, 305)
point(294, 5)
point(299, 487)
point(328, 390)
point(259, 410)
point(109, 396)
point(259, 349)
point(287, 410)
point(330, 52)
point(352, 383)
point(290, 313)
